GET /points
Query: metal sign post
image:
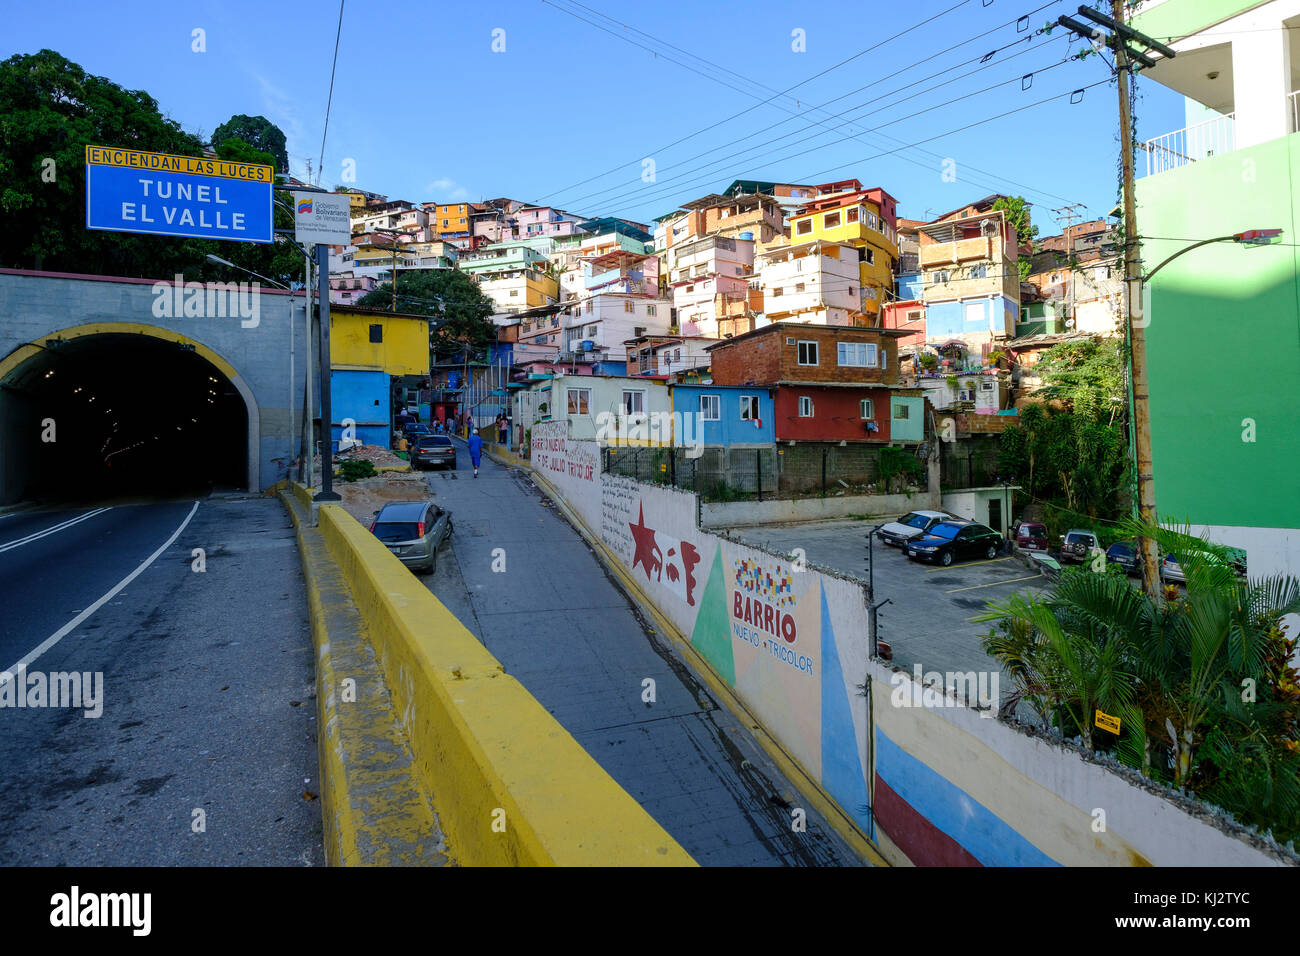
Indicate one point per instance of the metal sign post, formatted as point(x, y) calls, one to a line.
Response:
point(327, 492)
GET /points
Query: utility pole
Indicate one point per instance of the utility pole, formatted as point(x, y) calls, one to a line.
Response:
point(1118, 40)
point(1069, 215)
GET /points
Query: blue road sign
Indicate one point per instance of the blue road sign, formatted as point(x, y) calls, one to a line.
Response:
point(191, 197)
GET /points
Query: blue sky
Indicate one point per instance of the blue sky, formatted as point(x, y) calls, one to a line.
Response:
point(425, 108)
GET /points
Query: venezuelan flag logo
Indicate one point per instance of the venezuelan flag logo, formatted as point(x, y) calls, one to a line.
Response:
point(304, 207)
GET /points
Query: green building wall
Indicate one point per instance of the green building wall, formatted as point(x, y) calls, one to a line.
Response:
point(1224, 341)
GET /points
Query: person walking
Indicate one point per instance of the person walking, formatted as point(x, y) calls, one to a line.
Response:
point(475, 444)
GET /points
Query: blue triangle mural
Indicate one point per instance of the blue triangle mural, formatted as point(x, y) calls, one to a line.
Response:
point(842, 774)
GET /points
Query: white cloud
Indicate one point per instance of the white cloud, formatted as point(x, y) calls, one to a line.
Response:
point(446, 188)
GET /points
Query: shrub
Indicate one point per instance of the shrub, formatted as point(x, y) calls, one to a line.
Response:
point(357, 469)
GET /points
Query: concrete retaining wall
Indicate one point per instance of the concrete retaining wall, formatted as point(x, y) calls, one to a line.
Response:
point(927, 782)
point(737, 514)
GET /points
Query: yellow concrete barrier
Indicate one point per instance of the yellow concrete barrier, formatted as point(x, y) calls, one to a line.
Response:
point(511, 786)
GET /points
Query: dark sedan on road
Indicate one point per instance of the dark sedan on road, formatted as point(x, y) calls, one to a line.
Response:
point(1125, 554)
point(434, 450)
point(412, 530)
point(950, 540)
point(415, 431)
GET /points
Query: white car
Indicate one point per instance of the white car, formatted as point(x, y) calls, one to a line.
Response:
point(911, 526)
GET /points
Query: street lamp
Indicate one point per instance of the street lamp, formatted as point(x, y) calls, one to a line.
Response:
point(224, 262)
point(873, 607)
point(1006, 484)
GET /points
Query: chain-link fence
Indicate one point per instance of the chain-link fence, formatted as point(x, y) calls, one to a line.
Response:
point(716, 473)
point(723, 474)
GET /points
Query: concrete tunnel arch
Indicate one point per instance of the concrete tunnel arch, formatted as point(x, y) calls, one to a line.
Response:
point(17, 360)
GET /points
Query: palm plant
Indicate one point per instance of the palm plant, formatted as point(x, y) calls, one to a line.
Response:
point(1172, 670)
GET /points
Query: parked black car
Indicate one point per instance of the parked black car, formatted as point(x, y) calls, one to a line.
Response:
point(414, 431)
point(1125, 554)
point(950, 540)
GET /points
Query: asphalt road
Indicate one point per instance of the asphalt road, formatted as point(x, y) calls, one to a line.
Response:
point(561, 626)
point(205, 743)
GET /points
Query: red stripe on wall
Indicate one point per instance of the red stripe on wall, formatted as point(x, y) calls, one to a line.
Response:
point(923, 842)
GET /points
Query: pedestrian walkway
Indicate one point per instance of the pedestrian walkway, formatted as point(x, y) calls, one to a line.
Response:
point(518, 576)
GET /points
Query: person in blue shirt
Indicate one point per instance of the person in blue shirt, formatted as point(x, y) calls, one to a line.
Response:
point(475, 444)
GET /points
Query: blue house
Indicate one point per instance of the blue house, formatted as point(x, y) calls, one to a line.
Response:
point(726, 415)
point(362, 396)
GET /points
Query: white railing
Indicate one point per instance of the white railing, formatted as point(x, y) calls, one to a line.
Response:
point(1190, 144)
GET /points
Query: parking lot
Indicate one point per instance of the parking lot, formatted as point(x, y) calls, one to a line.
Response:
point(929, 621)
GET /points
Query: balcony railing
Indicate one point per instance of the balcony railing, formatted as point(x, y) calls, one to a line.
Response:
point(1190, 144)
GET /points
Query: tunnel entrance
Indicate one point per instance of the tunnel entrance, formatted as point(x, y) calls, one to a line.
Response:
point(130, 415)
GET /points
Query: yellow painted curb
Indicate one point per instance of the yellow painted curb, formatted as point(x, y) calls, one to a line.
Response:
point(372, 809)
point(511, 785)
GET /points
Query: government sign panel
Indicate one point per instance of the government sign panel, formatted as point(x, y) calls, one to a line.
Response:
point(189, 197)
point(322, 218)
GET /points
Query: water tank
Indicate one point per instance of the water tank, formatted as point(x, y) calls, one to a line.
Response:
point(746, 235)
point(588, 345)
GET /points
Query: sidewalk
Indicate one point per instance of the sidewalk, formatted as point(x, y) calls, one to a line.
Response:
point(559, 625)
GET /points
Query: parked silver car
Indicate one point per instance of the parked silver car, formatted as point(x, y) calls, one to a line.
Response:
point(911, 526)
point(413, 530)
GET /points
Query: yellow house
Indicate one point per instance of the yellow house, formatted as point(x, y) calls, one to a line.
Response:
point(368, 347)
point(855, 218)
point(374, 340)
point(451, 218)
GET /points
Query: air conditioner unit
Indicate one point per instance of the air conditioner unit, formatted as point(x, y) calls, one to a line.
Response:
point(789, 340)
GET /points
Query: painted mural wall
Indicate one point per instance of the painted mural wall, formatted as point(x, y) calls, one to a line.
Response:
point(931, 780)
point(788, 642)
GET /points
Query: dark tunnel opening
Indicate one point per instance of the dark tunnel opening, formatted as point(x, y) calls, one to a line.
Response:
point(120, 415)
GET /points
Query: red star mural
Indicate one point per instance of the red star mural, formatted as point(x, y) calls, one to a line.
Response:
point(648, 554)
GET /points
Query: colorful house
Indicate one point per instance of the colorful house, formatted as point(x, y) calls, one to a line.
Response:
point(368, 348)
point(831, 384)
point(731, 416)
point(971, 277)
point(855, 217)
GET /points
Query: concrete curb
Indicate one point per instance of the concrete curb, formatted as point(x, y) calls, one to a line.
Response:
point(373, 811)
point(793, 771)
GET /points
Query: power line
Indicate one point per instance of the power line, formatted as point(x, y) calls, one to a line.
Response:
point(749, 109)
point(845, 113)
point(1017, 22)
point(330, 101)
point(812, 177)
point(765, 149)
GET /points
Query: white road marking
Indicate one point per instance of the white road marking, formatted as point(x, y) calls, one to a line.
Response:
point(993, 584)
point(18, 542)
point(72, 625)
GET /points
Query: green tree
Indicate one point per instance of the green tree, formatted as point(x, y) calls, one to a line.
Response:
point(53, 109)
point(1070, 447)
point(451, 298)
point(259, 133)
point(1017, 211)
